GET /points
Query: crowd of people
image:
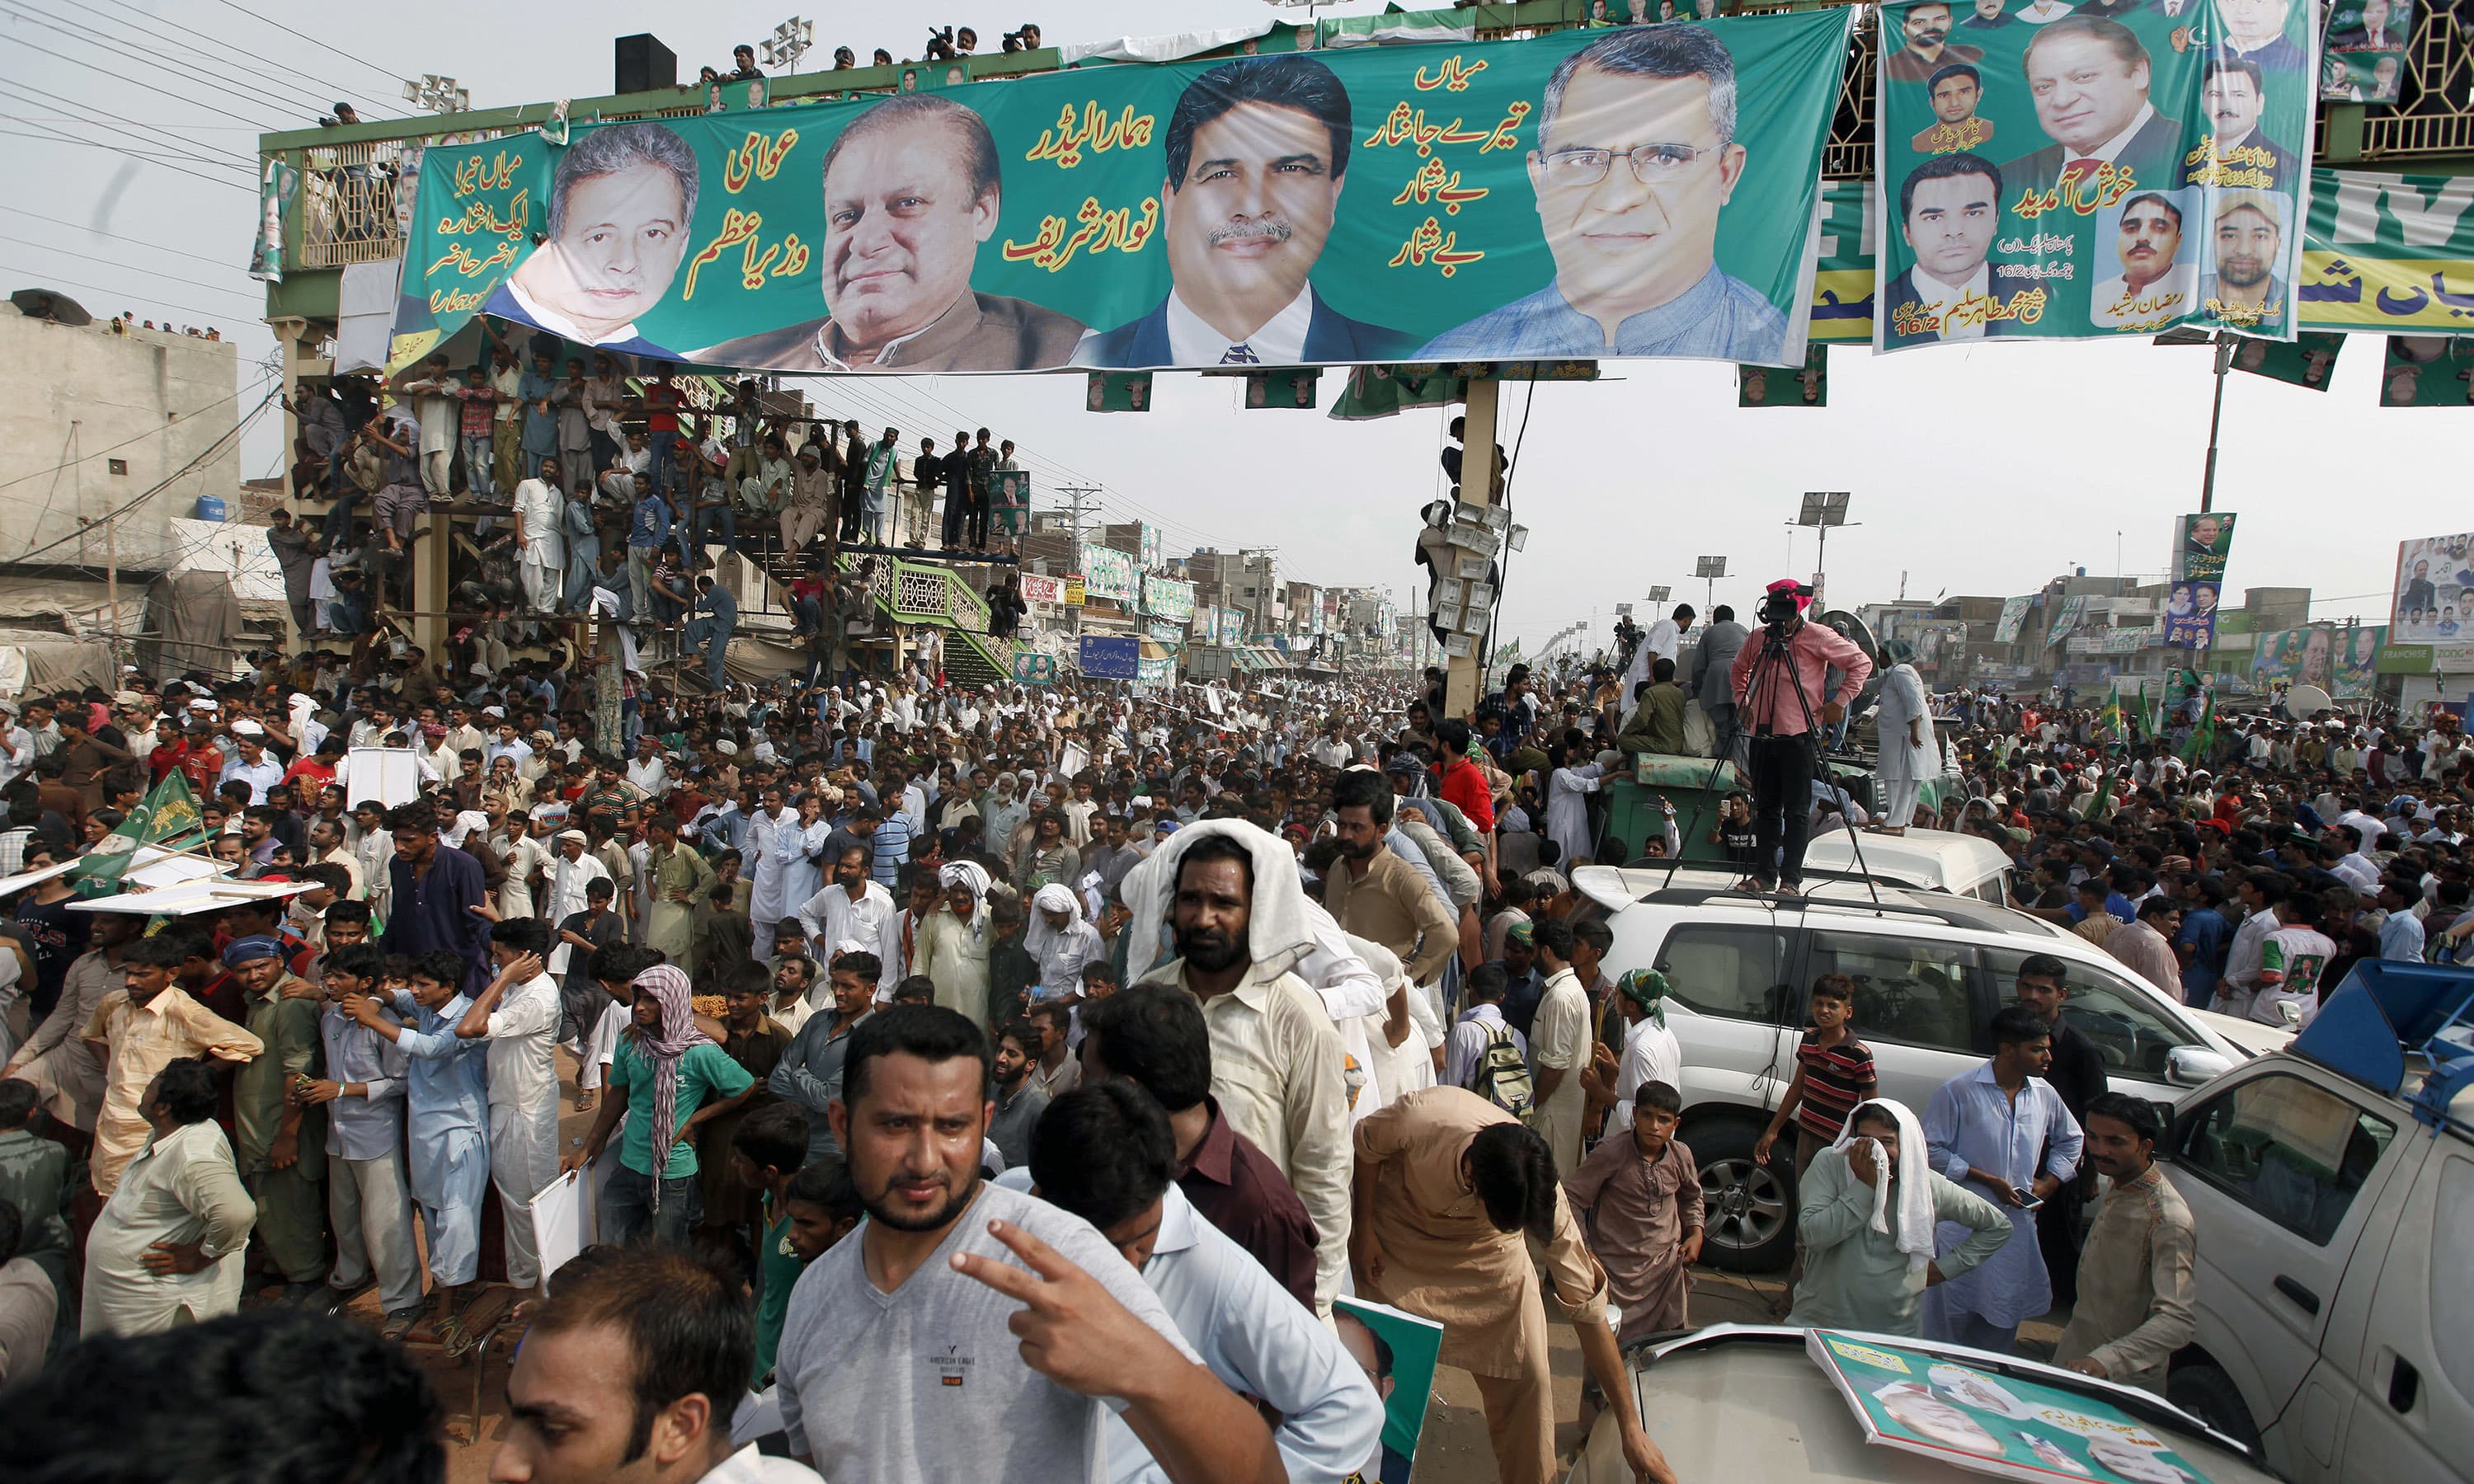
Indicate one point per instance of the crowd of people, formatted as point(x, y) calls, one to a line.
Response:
point(620, 497)
point(978, 1055)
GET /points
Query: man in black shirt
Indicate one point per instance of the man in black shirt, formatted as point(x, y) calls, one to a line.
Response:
point(2077, 1074)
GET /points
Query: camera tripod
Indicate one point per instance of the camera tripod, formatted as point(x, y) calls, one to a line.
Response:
point(1775, 637)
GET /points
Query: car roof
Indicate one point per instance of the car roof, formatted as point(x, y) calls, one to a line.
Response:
point(1619, 887)
point(1920, 857)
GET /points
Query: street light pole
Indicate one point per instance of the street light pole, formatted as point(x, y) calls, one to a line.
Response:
point(2216, 415)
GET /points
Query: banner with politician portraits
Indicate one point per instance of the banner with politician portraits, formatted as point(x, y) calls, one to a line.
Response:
point(1632, 191)
point(2201, 544)
point(2116, 168)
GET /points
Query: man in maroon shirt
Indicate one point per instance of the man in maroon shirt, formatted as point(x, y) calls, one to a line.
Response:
point(1153, 1036)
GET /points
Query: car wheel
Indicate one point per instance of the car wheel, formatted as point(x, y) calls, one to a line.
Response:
point(1748, 1208)
point(2207, 1393)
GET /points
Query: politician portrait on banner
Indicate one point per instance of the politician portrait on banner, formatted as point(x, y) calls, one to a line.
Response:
point(2147, 169)
point(1645, 190)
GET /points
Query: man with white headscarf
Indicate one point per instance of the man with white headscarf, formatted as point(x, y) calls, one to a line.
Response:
point(1870, 1205)
point(952, 944)
point(1061, 943)
point(1238, 913)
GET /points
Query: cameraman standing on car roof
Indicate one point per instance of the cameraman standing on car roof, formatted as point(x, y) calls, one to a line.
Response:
point(1779, 709)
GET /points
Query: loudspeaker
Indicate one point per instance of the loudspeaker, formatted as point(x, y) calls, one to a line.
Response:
point(644, 64)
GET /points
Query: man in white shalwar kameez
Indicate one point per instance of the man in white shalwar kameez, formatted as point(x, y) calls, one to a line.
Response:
point(1907, 756)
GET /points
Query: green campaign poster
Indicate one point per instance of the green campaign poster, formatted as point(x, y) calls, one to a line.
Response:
point(1842, 283)
point(1397, 1350)
point(2428, 371)
point(2201, 545)
point(1118, 391)
point(2362, 58)
point(2342, 662)
point(1638, 191)
point(2388, 252)
point(1282, 388)
point(1984, 1423)
point(1807, 386)
point(2115, 169)
point(2308, 359)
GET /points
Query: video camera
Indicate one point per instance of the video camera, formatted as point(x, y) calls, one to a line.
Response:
point(1783, 605)
point(940, 44)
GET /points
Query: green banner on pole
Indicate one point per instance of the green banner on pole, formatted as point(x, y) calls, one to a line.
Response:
point(1380, 203)
point(1760, 386)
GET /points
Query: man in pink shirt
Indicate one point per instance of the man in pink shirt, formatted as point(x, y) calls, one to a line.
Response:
point(1780, 715)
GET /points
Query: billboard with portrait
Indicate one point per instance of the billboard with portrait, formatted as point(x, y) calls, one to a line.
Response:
point(2014, 614)
point(2435, 584)
point(1109, 573)
point(2201, 545)
point(1445, 202)
point(2342, 662)
point(2190, 615)
point(2060, 173)
point(2362, 58)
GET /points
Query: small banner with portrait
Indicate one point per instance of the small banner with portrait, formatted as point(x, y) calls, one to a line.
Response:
point(2308, 359)
point(1118, 392)
point(2201, 545)
point(1281, 389)
point(2190, 615)
point(1809, 386)
point(2363, 57)
point(2059, 171)
point(2428, 371)
point(1377, 204)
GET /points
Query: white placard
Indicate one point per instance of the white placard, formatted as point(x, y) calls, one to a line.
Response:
point(389, 775)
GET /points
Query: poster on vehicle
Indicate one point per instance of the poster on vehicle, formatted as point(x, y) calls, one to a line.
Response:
point(2201, 545)
point(1379, 204)
point(2112, 171)
point(1397, 1350)
point(1987, 1423)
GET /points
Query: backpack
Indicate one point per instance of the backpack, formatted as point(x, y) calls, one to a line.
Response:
point(1501, 1076)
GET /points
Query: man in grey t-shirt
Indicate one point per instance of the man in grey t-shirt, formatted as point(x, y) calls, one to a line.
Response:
point(899, 1357)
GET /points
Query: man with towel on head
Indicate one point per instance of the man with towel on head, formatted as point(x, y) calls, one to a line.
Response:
point(1238, 913)
point(1868, 1208)
point(1060, 941)
point(952, 946)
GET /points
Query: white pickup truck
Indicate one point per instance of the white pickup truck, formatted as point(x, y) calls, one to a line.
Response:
point(2332, 1188)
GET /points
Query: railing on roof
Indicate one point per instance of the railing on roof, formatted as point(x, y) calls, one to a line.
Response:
point(346, 204)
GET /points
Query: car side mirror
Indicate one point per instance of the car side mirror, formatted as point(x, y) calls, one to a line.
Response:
point(2189, 1066)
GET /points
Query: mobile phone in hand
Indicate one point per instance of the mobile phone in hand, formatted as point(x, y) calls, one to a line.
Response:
point(2028, 1200)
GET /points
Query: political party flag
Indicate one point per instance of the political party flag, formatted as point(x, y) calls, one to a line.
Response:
point(2203, 737)
point(169, 813)
point(2112, 714)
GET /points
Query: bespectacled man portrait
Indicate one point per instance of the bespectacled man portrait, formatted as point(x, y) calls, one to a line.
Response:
point(622, 208)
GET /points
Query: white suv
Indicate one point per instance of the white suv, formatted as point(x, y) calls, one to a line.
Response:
point(1931, 968)
point(2332, 1192)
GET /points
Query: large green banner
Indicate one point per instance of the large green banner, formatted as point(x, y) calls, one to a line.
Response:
point(2114, 169)
point(2342, 662)
point(1636, 191)
point(2391, 252)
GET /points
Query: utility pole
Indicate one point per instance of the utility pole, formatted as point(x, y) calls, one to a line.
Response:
point(1465, 675)
point(1081, 494)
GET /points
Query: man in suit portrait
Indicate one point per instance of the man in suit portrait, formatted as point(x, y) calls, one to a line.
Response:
point(2377, 27)
point(1988, 16)
point(1636, 159)
point(1948, 209)
point(2256, 29)
point(1257, 152)
point(912, 189)
point(622, 205)
point(2089, 78)
point(2234, 92)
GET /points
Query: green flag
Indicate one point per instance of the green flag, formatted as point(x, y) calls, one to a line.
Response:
point(2112, 714)
point(2203, 736)
point(170, 812)
point(1387, 390)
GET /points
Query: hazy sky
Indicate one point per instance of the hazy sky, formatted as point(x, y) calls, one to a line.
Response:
point(1985, 468)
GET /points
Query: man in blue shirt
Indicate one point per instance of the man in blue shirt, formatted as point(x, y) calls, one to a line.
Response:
point(2207, 934)
point(651, 527)
point(1635, 156)
point(714, 630)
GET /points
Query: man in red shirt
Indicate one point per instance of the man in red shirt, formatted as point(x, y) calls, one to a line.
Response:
point(194, 754)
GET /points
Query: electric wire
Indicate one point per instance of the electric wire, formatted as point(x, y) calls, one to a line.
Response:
point(151, 273)
point(352, 57)
point(210, 451)
point(91, 116)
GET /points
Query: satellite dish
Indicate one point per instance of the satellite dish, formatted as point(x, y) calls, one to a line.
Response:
point(2304, 702)
point(1854, 630)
